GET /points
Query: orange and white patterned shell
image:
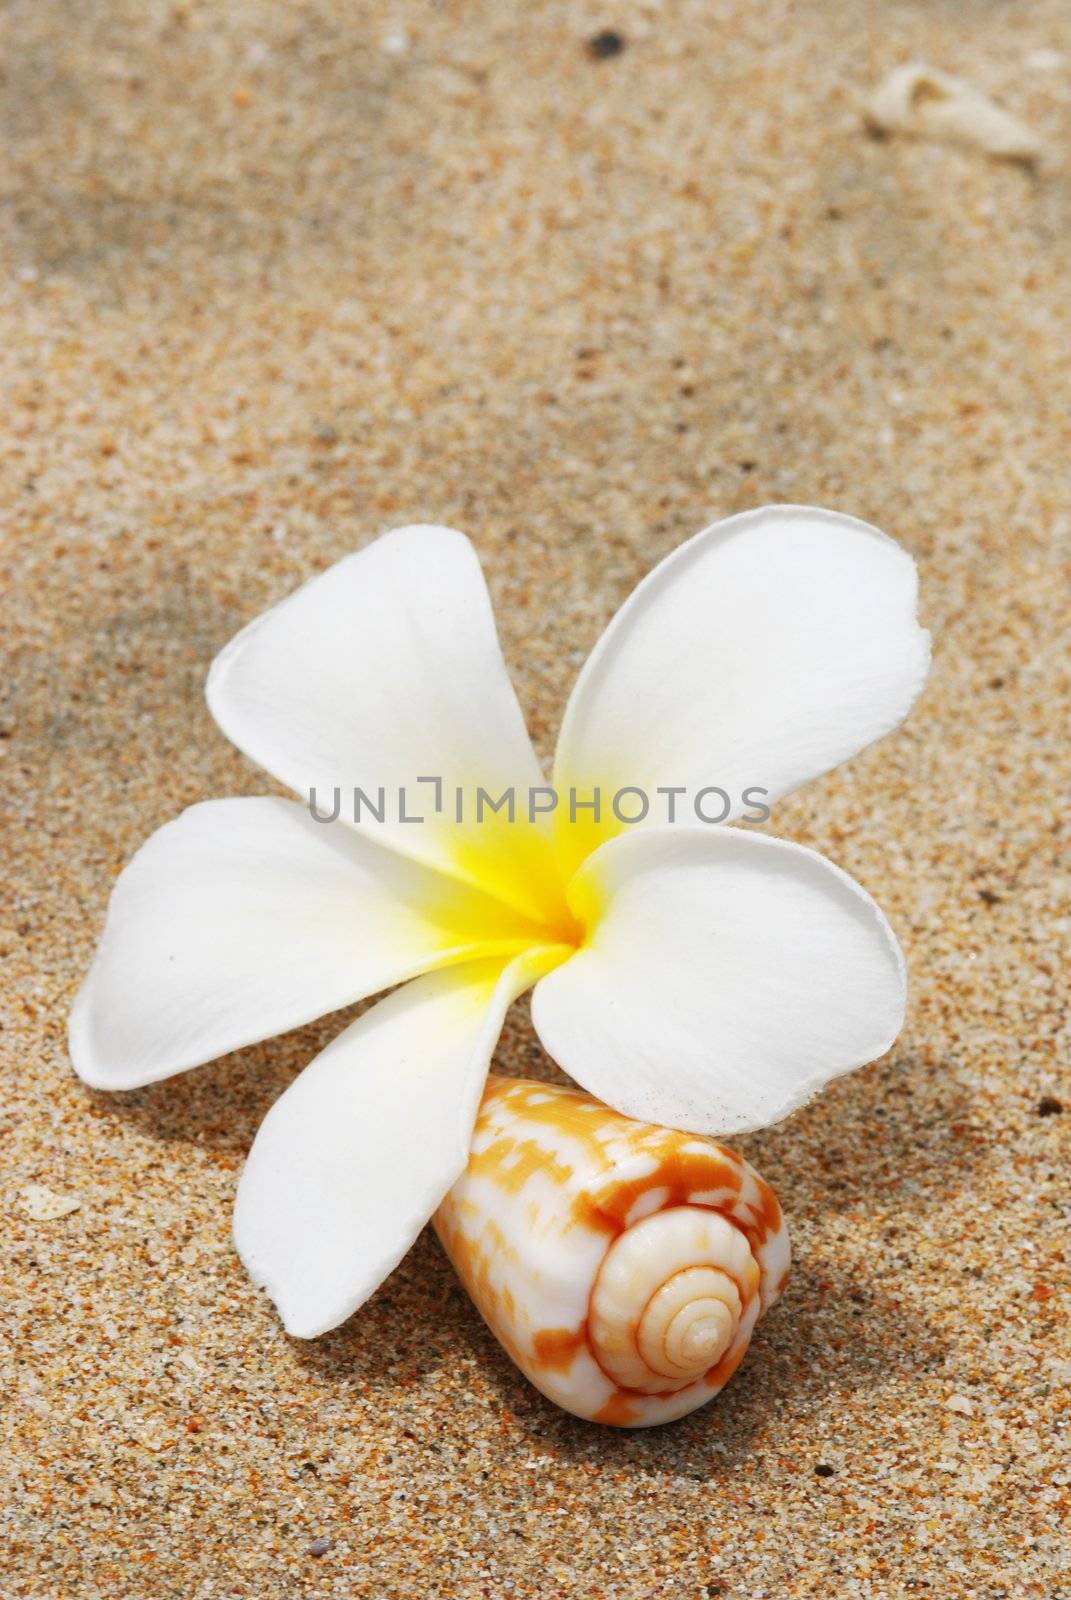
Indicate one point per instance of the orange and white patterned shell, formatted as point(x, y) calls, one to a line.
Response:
point(623, 1266)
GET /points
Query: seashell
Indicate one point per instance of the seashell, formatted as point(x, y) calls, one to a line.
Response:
point(927, 102)
point(623, 1266)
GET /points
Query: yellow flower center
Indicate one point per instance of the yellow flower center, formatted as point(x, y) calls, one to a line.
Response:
point(527, 872)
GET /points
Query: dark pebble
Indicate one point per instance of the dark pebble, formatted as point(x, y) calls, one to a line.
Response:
point(605, 44)
point(1049, 1106)
point(824, 1470)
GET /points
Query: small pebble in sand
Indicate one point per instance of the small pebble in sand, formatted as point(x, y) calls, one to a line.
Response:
point(320, 1546)
point(824, 1470)
point(960, 1404)
point(44, 1205)
point(1049, 1106)
point(605, 44)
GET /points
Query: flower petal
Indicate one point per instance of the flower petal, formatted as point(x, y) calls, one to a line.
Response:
point(761, 653)
point(353, 1159)
point(243, 918)
point(727, 976)
point(384, 670)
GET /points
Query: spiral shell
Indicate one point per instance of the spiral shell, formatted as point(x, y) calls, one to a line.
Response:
point(623, 1266)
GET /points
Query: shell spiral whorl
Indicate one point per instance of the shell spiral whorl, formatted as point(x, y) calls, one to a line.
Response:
point(666, 1304)
point(622, 1265)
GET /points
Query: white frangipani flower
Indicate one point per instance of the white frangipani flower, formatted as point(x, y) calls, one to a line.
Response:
point(707, 977)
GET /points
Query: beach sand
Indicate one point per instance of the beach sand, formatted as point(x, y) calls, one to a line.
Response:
point(274, 279)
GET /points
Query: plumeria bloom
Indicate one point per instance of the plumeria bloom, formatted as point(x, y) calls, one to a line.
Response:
point(708, 977)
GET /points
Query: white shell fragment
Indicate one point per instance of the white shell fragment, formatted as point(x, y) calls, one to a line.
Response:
point(622, 1265)
point(44, 1205)
point(924, 101)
